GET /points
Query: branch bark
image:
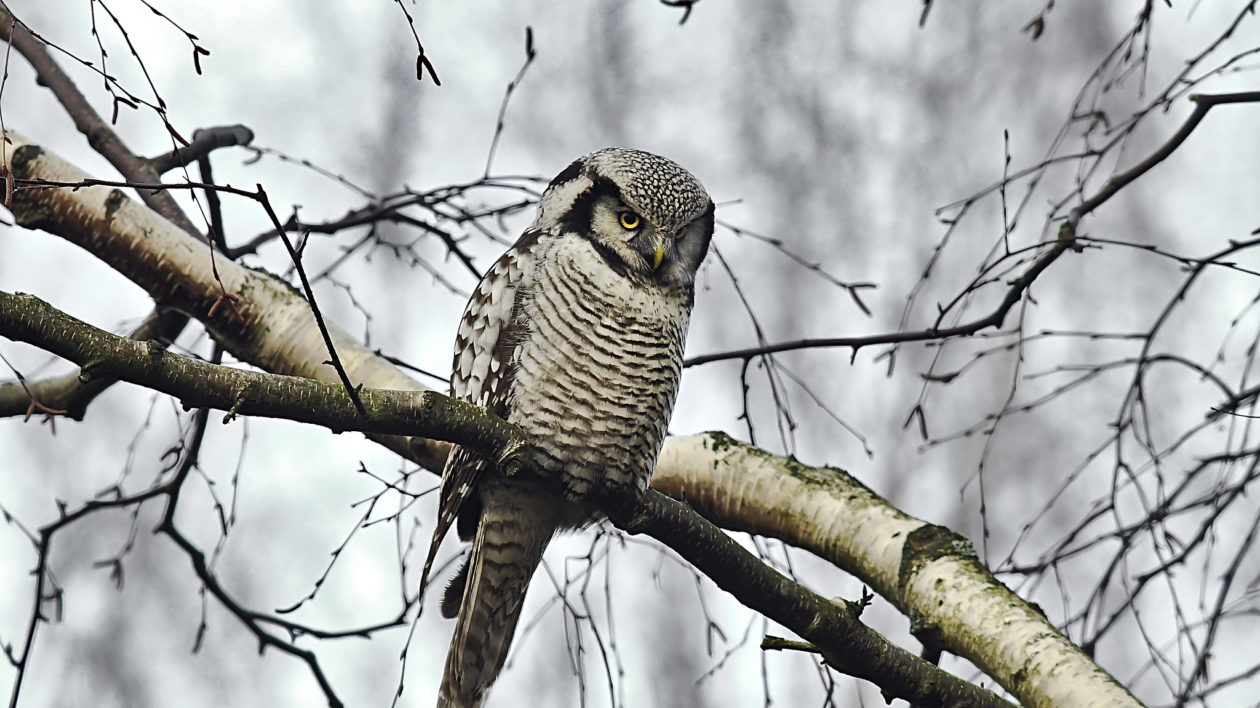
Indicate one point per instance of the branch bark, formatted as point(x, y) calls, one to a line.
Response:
point(67, 393)
point(930, 573)
point(70, 394)
point(258, 317)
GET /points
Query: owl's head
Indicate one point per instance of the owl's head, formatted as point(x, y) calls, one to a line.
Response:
point(648, 217)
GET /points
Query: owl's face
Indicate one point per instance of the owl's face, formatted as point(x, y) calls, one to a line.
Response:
point(649, 218)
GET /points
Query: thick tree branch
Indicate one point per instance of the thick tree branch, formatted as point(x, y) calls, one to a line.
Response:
point(200, 384)
point(848, 645)
point(928, 572)
point(258, 317)
point(69, 393)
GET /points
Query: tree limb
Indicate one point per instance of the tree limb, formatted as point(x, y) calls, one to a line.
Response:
point(929, 573)
point(200, 384)
point(258, 317)
point(204, 142)
point(69, 393)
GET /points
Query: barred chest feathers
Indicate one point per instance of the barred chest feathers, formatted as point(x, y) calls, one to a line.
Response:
point(597, 368)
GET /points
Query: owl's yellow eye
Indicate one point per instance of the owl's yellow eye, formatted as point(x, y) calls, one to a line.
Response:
point(629, 220)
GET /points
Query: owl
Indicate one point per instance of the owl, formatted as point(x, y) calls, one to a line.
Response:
point(576, 336)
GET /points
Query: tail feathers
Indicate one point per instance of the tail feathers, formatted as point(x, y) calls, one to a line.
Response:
point(508, 548)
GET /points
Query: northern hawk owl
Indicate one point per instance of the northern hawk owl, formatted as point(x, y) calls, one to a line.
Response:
point(576, 336)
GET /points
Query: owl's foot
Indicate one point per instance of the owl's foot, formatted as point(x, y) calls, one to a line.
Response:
point(516, 458)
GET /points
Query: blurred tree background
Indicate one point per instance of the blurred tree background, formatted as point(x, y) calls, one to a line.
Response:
point(1098, 448)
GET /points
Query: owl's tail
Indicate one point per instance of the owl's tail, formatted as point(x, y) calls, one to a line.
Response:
point(508, 548)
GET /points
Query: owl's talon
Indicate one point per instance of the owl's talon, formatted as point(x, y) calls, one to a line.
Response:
point(513, 461)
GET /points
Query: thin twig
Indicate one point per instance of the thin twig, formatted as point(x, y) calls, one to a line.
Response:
point(310, 299)
point(1018, 286)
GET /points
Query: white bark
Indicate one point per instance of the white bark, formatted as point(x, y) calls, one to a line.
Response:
point(266, 323)
point(927, 572)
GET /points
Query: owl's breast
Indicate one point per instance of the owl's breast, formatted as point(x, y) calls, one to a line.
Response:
point(596, 371)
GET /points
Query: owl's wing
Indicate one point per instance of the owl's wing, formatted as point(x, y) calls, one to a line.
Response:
point(482, 375)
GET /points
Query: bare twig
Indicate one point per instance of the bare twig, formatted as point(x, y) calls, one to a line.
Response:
point(507, 97)
point(422, 62)
point(310, 298)
point(1018, 286)
point(204, 141)
point(98, 133)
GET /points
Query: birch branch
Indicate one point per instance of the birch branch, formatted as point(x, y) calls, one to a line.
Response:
point(259, 318)
point(928, 572)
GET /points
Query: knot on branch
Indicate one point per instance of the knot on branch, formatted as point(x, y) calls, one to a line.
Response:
point(156, 348)
point(91, 370)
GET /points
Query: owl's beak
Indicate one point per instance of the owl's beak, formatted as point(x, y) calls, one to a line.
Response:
point(659, 255)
